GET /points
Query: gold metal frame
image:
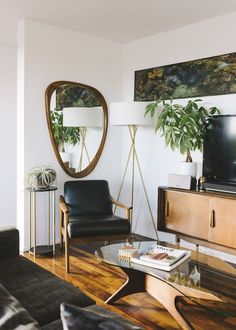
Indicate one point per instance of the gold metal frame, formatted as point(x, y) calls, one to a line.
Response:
point(133, 154)
point(33, 216)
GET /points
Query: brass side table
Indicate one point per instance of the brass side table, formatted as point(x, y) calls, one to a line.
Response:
point(48, 249)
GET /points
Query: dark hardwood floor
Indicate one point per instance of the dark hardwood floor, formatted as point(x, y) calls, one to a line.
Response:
point(99, 281)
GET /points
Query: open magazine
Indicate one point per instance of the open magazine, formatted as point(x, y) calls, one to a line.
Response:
point(161, 257)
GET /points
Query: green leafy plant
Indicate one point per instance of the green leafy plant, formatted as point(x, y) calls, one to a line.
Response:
point(182, 125)
point(62, 135)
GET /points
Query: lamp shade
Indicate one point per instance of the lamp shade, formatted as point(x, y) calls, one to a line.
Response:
point(129, 113)
point(83, 117)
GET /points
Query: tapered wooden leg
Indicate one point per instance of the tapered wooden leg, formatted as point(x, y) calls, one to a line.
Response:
point(135, 283)
point(177, 238)
point(67, 242)
point(61, 240)
point(67, 257)
point(61, 235)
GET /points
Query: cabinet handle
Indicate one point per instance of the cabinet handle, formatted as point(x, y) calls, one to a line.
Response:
point(167, 208)
point(213, 221)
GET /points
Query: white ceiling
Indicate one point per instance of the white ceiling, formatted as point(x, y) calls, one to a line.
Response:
point(118, 20)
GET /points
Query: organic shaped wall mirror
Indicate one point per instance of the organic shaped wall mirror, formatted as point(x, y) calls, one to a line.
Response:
point(77, 120)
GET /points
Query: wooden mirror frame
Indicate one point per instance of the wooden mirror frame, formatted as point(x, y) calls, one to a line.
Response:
point(49, 91)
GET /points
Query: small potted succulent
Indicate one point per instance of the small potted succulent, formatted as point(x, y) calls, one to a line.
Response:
point(182, 126)
point(41, 177)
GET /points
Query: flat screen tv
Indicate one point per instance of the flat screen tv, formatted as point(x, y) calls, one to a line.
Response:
point(219, 153)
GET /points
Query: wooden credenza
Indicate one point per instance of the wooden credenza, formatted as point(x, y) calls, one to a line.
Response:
point(207, 217)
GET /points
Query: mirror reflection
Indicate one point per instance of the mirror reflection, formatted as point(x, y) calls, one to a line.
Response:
point(76, 114)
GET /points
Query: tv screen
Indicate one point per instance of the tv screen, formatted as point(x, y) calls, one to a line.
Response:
point(219, 149)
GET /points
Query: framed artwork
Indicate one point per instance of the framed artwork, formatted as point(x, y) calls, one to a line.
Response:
point(204, 77)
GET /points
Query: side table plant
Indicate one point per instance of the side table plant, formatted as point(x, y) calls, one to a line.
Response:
point(41, 177)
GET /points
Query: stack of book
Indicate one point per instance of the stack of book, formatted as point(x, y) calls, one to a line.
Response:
point(127, 251)
point(161, 257)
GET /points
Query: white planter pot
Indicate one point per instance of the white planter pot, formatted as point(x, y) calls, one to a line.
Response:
point(188, 169)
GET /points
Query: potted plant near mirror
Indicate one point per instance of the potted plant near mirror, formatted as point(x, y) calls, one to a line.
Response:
point(41, 177)
point(182, 126)
point(62, 135)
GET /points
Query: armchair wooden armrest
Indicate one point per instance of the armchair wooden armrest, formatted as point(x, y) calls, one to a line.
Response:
point(123, 206)
point(64, 220)
point(62, 204)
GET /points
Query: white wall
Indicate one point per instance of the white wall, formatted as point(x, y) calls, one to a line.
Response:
point(52, 54)
point(8, 135)
point(204, 39)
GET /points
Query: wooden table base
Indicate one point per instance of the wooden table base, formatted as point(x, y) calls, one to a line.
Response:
point(165, 293)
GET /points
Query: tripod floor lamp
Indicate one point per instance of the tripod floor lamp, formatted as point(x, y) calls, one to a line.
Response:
point(131, 114)
point(84, 118)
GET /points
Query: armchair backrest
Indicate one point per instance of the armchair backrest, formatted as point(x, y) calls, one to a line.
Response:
point(87, 197)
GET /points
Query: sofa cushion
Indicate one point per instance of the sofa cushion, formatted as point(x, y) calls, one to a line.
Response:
point(12, 315)
point(39, 291)
point(74, 318)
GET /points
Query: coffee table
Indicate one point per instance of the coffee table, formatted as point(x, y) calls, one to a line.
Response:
point(202, 278)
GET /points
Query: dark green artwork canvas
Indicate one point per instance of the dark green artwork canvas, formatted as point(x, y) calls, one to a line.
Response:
point(208, 76)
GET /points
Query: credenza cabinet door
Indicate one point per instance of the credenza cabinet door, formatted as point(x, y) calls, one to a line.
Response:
point(222, 222)
point(187, 213)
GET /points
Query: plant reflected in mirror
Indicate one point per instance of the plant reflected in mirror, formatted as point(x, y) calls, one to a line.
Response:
point(62, 135)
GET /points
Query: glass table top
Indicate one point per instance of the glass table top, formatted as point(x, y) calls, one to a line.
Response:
point(203, 272)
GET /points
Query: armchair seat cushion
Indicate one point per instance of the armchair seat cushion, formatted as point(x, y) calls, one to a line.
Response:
point(97, 224)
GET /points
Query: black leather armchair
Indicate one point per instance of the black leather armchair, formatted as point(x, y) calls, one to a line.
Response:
point(86, 211)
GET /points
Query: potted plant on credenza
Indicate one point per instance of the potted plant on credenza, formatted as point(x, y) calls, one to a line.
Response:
point(182, 126)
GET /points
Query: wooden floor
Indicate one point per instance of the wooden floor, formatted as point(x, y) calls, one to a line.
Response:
point(99, 281)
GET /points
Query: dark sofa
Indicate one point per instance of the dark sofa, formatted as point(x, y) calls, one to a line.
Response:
point(38, 291)
point(34, 291)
